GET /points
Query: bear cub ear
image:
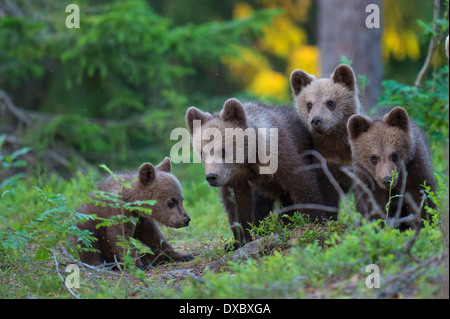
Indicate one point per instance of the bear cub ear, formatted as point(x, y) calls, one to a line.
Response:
point(165, 166)
point(398, 117)
point(358, 124)
point(146, 174)
point(233, 111)
point(299, 80)
point(193, 114)
point(344, 75)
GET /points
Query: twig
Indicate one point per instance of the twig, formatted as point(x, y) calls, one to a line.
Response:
point(400, 281)
point(308, 206)
point(104, 268)
point(376, 210)
point(431, 48)
point(12, 109)
point(324, 166)
point(402, 191)
point(417, 210)
point(61, 276)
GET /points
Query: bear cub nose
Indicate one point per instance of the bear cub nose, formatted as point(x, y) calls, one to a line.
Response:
point(187, 219)
point(316, 121)
point(212, 179)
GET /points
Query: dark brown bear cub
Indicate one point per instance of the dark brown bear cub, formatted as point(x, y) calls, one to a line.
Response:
point(324, 106)
point(390, 142)
point(248, 193)
point(149, 183)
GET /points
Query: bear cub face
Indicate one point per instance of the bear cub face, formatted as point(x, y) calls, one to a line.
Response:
point(325, 103)
point(159, 184)
point(212, 146)
point(381, 146)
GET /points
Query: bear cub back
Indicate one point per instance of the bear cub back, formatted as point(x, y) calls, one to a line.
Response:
point(149, 183)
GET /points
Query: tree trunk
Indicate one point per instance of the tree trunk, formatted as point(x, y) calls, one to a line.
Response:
point(343, 31)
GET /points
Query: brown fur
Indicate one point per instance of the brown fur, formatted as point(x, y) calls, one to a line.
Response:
point(329, 102)
point(247, 195)
point(390, 140)
point(149, 182)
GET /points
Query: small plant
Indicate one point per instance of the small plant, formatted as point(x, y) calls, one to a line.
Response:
point(297, 219)
point(133, 248)
point(395, 175)
point(12, 160)
point(269, 226)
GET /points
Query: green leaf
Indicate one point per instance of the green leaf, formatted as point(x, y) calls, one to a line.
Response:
point(41, 254)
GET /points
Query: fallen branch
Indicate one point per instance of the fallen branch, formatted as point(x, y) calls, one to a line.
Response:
point(61, 276)
point(9, 107)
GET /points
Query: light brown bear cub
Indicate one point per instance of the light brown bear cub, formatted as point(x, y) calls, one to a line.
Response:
point(247, 194)
point(149, 183)
point(325, 105)
point(381, 145)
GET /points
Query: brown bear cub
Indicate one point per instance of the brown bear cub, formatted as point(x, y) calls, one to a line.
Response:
point(390, 142)
point(149, 183)
point(324, 106)
point(248, 193)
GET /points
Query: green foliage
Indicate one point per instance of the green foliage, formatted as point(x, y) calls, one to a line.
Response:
point(437, 27)
point(271, 225)
point(21, 48)
point(12, 160)
point(117, 81)
point(292, 274)
point(395, 174)
point(9, 161)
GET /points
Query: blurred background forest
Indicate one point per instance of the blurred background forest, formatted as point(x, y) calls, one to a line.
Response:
point(112, 90)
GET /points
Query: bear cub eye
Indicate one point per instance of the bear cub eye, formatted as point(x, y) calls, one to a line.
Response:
point(395, 157)
point(309, 106)
point(373, 159)
point(171, 203)
point(331, 104)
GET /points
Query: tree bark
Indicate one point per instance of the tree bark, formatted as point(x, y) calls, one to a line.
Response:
point(342, 31)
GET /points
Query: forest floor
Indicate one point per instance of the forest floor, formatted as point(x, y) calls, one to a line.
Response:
point(423, 279)
point(299, 260)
